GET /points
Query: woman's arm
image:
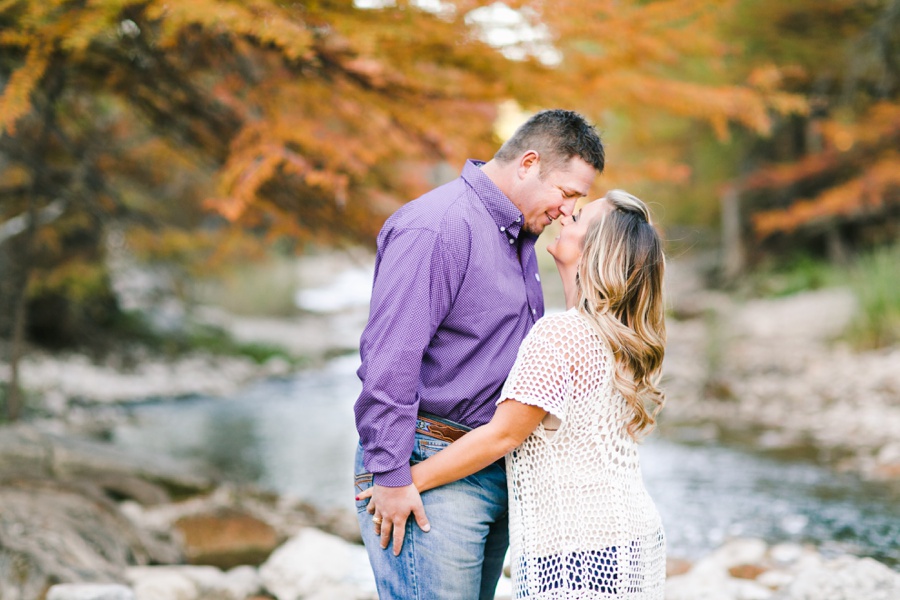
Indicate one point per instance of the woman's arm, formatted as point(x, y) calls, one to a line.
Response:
point(511, 424)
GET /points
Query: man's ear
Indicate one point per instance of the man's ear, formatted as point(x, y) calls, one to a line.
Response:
point(531, 159)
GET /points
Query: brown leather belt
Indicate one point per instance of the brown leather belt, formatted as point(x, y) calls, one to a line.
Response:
point(438, 428)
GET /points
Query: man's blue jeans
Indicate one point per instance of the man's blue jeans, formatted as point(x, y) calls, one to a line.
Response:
point(461, 558)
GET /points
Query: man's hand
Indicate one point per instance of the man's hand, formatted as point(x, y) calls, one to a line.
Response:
point(391, 507)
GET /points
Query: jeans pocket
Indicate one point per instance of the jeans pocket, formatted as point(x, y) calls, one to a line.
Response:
point(362, 482)
point(425, 447)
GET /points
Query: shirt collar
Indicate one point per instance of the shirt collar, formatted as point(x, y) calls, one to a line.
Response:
point(506, 215)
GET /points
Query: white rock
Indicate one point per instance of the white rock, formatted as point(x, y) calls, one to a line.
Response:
point(312, 561)
point(845, 578)
point(889, 453)
point(775, 579)
point(243, 581)
point(89, 591)
point(341, 591)
point(750, 590)
point(163, 584)
point(785, 553)
point(209, 583)
point(741, 551)
point(700, 586)
point(206, 578)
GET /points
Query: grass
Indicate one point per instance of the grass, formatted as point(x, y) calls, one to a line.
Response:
point(798, 274)
point(207, 338)
point(28, 400)
point(217, 341)
point(876, 280)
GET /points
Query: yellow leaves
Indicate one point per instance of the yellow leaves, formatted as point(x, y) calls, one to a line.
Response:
point(16, 100)
point(7, 4)
point(845, 133)
point(100, 18)
point(651, 169)
point(715, 104)
point(263, 21)
point(13, 176)
point(258, 159)
point(865, 194)
point(370, 69)
point(766, 77)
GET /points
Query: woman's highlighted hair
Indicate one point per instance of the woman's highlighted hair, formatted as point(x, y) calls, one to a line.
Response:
point(620, 291)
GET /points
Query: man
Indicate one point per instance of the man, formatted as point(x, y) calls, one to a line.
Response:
point(456, 290)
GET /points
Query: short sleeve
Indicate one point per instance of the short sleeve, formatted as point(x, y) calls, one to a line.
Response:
point(540, 375)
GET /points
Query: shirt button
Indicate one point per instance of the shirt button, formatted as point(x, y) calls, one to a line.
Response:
point(537, 276)
point(512, 241)
point(503, 229)
point(534, 311)
point(518, 219)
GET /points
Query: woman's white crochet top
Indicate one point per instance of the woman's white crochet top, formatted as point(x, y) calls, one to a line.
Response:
point(581, 522)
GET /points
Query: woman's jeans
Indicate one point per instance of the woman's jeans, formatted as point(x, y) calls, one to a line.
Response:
point(461, 558)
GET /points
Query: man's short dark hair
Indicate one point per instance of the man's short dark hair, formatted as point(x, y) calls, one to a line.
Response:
point(557, 135)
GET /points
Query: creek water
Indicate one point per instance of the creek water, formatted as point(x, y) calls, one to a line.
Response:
point(296, 436)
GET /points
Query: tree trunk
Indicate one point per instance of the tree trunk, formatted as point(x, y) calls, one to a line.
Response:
point(15, 397)
point(733, 261)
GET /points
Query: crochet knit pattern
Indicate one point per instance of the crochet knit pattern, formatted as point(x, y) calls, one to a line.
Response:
point(581, 522)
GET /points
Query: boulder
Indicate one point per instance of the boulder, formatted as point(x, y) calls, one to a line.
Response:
point(28, 451)
point(312, 562)
point(844, 578)
point(61, 532)
point(188, 582)
point(226, 537)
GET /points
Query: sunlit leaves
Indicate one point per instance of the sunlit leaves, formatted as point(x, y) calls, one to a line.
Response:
point(868, 147)
point(264, 21)
point(16, 99)
point(864, 196)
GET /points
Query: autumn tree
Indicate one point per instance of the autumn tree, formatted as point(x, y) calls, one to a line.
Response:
point(827, 181)
point(190, 127)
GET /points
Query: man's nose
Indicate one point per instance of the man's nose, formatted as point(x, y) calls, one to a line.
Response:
point(567, 208)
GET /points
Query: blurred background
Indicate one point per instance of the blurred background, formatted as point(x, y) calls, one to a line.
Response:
point(190, 194)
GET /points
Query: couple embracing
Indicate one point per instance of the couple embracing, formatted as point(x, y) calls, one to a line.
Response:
point(484, 424)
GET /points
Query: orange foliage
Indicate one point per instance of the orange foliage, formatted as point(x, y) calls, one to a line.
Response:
point(861, 196)
point(868, 147)
point(300, 112)
point(835, 171)
point(16, 100)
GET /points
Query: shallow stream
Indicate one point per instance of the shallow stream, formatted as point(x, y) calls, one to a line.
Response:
point(296, 436)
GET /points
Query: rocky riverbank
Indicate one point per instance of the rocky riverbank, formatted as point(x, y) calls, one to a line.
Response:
point(775, 370)
point(84, 521)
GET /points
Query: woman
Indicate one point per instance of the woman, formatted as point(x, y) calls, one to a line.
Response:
point(576, 401)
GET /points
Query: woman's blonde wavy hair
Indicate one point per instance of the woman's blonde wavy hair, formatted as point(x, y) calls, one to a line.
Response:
point(620, 291)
